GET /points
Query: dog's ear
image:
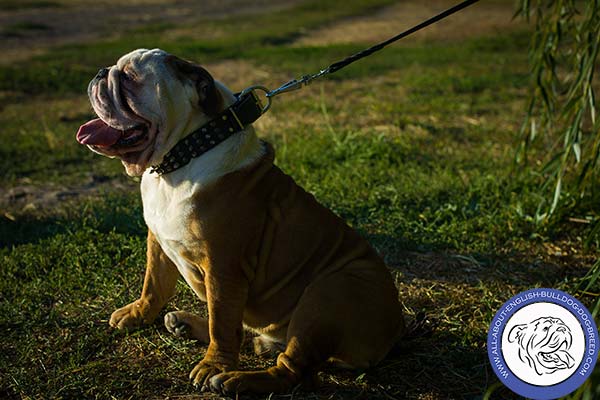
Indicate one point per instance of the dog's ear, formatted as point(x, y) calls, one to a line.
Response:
point(209, 97)
point(516, 333)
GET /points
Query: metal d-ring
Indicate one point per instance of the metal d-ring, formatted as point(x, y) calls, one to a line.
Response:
point(259, 87)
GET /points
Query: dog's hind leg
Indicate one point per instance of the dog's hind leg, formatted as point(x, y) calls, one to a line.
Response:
point(352, 317)
point(187, 325)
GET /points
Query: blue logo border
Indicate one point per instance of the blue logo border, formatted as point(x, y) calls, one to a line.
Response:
point(494, 341)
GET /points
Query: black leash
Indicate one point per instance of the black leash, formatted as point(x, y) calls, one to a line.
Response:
point(296, 84)
point(248, 107)
point(355, 57)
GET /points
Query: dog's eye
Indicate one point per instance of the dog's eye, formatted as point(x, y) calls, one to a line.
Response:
point(546, 329)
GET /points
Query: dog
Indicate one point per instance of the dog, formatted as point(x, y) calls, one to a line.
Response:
point(261, 251)
point(544, 344)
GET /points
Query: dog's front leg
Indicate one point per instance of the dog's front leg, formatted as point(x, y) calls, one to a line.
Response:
point(226, 295)
point(159, 286)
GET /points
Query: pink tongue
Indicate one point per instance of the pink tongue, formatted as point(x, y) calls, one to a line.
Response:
point(96, 132)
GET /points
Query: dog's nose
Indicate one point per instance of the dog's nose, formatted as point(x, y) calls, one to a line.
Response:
point(103, 73)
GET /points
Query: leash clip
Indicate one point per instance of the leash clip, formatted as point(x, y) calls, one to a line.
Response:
point(290, 86)
point(296, 84)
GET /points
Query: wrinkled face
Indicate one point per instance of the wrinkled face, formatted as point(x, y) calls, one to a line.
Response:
point(145, 104)
point(544, 343)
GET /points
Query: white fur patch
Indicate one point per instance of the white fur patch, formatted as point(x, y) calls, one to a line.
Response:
point(168, 199)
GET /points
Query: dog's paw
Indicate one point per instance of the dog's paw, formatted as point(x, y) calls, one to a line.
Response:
point(228, 383)
point(266, 381)
point(187, 325)
point(203, 372)
point(128, 317)
point(177, 326)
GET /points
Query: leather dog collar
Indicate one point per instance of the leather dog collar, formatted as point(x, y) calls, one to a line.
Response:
point(233, 119)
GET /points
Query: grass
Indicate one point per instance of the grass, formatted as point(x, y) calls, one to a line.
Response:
point(20, 29)
point(413, 147)
point(10, 5)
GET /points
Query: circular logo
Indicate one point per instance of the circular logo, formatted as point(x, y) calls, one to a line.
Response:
point(542, 343)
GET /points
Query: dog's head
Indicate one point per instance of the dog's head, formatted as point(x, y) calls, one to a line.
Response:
point(544, 344)
point(146, 103)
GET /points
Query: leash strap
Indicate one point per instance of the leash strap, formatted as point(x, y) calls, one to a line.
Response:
point(296, 84)
point(355, 57)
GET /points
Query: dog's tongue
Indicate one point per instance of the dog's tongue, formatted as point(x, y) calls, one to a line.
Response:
point(96, 132)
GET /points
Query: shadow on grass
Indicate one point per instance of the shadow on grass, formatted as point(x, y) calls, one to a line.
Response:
point(534, 266)
point(112, 213)
point(27, 230)
point(439, 367)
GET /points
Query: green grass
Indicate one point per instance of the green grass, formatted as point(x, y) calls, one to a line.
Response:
point(413, 146)
point(24, 28)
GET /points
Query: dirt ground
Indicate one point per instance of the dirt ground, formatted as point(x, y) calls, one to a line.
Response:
point(25, 31)
point(473, 21)
point(28, 30)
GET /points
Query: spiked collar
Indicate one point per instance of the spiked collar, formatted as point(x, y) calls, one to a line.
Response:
point(233, 119)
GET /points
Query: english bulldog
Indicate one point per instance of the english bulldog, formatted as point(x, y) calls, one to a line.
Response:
point(261, 251)
point(544, 344)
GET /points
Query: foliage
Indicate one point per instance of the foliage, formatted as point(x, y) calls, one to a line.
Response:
point(563, 56)
point(564, 50)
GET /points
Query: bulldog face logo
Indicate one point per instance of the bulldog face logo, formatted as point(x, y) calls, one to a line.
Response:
point(544, 344)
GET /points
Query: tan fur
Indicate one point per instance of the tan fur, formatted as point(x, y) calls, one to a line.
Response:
point(290, 269)
point(159, 286)
point(261, 251)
